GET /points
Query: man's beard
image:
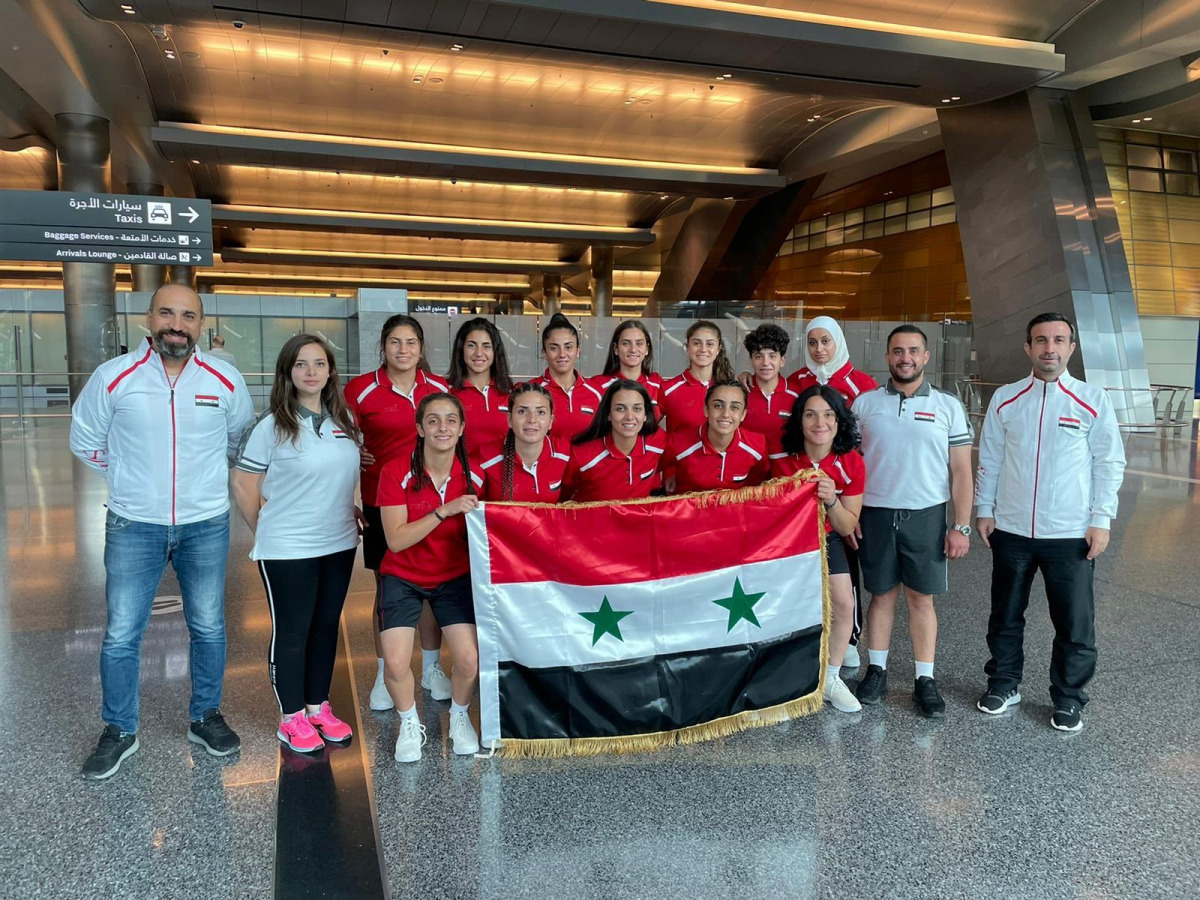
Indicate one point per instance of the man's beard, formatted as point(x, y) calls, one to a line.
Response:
point(901, 379)
point(172, 351)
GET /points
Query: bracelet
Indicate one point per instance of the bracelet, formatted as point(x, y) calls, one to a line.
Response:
point(437, 515)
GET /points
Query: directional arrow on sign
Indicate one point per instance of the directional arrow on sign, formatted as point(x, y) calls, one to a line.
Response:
point(191, 215)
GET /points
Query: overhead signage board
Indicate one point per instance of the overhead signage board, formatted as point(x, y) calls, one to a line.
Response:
point(63, 226)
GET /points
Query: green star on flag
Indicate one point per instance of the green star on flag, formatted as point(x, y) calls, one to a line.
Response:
point(606, 620)
point(740, 605)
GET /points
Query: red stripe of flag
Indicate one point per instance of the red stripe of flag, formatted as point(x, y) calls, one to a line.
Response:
point(670, 538)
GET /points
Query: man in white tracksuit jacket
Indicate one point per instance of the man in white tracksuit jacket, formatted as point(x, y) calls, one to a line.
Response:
point(1050, 465)
point(159, 424)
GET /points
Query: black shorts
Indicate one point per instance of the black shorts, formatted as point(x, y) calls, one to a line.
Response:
point(374, 542)
point(903, 546)
point(400, 603)
point(835, 554)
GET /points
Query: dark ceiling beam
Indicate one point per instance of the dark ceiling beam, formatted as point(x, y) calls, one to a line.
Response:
point(250, 280)
point(426, 226)
point(217, 145)
point(398, 261)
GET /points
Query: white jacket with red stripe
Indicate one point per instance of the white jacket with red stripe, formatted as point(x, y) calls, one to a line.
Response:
point(1050, 459)
point(163, 448)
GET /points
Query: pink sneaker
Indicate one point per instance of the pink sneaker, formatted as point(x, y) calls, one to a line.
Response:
point(331, 727)
point(297, 733)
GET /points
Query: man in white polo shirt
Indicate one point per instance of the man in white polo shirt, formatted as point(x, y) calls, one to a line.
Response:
point(916, 441)
point(1050, 465)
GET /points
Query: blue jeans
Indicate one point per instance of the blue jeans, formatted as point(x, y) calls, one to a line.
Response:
point(135, 556)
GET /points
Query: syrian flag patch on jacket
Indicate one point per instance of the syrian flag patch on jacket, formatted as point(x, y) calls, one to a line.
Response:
point(1068, 422)
point(207, 400)
point(925, 416)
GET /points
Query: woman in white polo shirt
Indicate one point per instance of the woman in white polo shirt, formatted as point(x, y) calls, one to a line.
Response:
point(304, 449)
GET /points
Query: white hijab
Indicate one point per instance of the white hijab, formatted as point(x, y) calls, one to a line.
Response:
point(841, 355)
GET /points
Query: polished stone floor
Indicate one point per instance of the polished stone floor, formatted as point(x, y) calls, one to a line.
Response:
point(880, 804)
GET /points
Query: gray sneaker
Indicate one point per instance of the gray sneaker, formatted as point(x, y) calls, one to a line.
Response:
point(112, 750)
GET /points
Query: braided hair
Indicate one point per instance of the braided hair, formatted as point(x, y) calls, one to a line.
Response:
point(417, 463)
point(510, 439)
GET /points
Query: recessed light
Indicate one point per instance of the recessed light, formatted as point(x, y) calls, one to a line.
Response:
point(662, 196)
point(195, 162)
point(628, 101)
point(824, 214)
point(945, 99)
point(456, 48)
point(417, 79)
point(720, 78)
point(191, 54)
point(1137, 121)
point(128, 10)
point(1147, 118)
point(170, 54)
point(728, 198)
point(956, 98)
point(436, 80)
point(645, 101)
point(726, 75)
point(817, 116)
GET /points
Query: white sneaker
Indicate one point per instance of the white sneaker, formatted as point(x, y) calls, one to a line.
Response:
point(851, 660)
point(436, 682)
point(840, 696)
point(381, 700)
point(462, 733)
point(411, 740)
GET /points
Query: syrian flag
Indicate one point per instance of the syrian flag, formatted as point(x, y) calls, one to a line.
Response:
point(606, 627)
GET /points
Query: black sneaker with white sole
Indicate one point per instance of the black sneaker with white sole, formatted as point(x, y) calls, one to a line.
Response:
point(112, 750)
point(1068, 717)
point(927, 699)
point(873, 687)
point(214, 735)
point(995, 702)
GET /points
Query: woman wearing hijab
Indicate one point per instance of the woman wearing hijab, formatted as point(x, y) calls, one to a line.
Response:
point(827, 361)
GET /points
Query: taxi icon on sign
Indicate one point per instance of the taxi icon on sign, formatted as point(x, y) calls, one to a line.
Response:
point(159, 212)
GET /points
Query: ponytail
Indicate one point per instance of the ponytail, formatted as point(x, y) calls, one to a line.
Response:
point(506, 479)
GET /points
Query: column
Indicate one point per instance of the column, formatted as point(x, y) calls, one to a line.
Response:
point(513, 304)
point(89, 289)
point(602, 281)
point(551, 293)
point(185, 275)
point(147, 278)
point(1040, 234)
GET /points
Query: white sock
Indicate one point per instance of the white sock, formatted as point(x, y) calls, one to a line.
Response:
point(924, 670)
point(455, 708)
point(379, 675)
point(878, 658)
point(831, 672)
point(410, 713)
point(429, 658)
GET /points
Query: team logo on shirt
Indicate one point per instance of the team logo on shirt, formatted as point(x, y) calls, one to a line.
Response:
point(925, 416)
point(1068, 422)
point(207, 400)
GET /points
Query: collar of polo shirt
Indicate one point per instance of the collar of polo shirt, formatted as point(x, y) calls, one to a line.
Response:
point(923, 391)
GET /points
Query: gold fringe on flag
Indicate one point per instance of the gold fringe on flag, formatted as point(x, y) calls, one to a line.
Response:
point(718, 728)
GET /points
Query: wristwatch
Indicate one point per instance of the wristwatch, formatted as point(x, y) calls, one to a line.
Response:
point(964, 530)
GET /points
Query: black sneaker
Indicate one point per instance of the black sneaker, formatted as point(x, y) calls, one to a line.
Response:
point(214, 735)
point(1067, 717)
point(112, 750)
point(927, 698)
point(873, 688)
point(995, 702)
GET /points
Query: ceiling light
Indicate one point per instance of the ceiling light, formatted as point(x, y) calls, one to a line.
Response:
point(720, 78)
point(1147, 118)
point(417, 79)
point(170, 54)
point(629, 101)
point(191, 54)
point(1137, 121)
point(726, 75)
point(456, 48)
point(956, 98)
point(662, 196)
point(817, 116)
point(195, 162)
point(945, 99)
point(128, 10)
point(728, 198)
point(436, 80)
point(645, 101)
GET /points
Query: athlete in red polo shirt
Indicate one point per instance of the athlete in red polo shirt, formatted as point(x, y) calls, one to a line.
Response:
point(423, 503)
point(619, 457)
point(828, 362)
point(681, 399)
point(631, 356)
point(575, 399)
point(528, 465)
point(822, 434)
point(384, 405)
point(479, 378)
point(719, 454)
point(769, 401)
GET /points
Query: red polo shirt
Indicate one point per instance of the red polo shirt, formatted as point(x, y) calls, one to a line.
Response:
point(681, 401)
point(442, 555)
point(698, 466)
point(848, 471)
point(767, 414)
point(540, 483)
point(847, 381)
point(387, 419)
point(487, 416)
point(599, 471)
point(573, 409)
point(652, 383)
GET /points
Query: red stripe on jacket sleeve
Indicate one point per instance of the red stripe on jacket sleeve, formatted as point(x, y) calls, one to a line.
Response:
point(112, 384)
